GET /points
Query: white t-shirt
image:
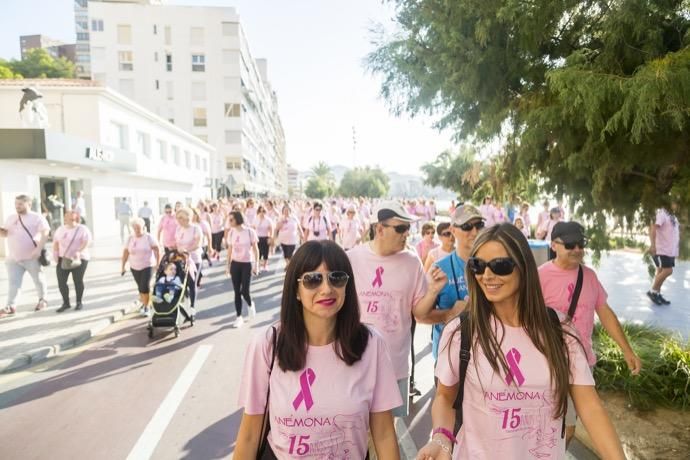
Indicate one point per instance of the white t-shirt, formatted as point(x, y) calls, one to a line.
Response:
point(241, 241)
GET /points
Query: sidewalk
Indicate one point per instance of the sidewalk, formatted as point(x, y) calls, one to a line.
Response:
point(30, 337)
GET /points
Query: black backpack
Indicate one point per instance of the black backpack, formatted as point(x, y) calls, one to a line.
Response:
point(465, 359)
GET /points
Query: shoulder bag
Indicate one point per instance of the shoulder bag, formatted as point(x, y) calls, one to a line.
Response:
point(43, 256)
point(70, 264)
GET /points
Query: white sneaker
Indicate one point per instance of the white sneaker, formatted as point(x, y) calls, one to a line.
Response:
point(239, 322)
point(192, 311)
point(252, 311)
point(143, 311)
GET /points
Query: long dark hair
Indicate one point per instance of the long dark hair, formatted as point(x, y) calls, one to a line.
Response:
point(546, 336)
point(351, 336)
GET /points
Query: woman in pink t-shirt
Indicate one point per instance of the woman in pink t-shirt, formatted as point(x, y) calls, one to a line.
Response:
point(243, 250)
point(217, 218)
point(351, 229)
point(264, 230)
point(289, 233)
point(447, 246)
point(71, 241)
point(205, 243)
point(188, 238)
point(427, 242)
point(522, 366)
point(143, 254)
point(329, 380)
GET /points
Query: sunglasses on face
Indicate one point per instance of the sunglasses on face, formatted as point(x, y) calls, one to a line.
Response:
point(446, 234)
point(402, 228)
point(312, 280)
point(570, 246)
point(501, 266)
point(466, 227)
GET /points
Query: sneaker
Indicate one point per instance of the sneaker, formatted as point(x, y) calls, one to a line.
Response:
point(239, 322)
point(41, 305)
point(663, 300)
point(7, 311)
point(144, 311)
point(654, 296)
point(252, 311)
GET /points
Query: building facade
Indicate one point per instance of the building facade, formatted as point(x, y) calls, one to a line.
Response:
point(100, 143)
point(191, 66)
point(55, 48)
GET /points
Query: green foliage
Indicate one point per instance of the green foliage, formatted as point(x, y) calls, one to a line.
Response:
point(665, 376)
point(6, 72)
point(590, 99)
point(318, 188)
point(37, 63)
point(366, 182)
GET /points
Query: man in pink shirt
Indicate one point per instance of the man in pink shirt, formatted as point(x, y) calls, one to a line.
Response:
point(166, 229)
point(26, 233)
point(392, 287)
point(558, 279)
point(665, 236)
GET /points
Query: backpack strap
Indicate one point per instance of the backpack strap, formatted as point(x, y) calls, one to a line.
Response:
point(576, 293)
point(465, 339)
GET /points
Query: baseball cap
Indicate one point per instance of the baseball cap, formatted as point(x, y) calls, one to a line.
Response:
point(391, 210)
point(465, 213)
point(568, 232)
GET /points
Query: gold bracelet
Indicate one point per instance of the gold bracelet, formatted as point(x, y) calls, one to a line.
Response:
point(445, 448)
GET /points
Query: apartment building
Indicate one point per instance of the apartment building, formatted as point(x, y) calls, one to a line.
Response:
point(55, 48)
point(192, 66)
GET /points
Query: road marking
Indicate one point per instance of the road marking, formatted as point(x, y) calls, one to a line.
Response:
point(408, 449)
point(153, 432)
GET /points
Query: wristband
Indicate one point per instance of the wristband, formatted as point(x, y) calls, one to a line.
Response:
point(445, 448)
point(445, 432)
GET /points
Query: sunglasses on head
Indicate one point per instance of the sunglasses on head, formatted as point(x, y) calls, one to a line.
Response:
point(312, 280)
point(466, 227)
point(402, 228)
point(500, 266)
point(570, 246)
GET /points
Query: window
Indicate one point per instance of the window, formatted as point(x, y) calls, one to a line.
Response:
point(169, 90)
point(158, 85)
point(82, 36)
point(198, 91)
point(176, 155)
point(124, 34)
point(126, 60)
point(143, 144)
point(119, 136)
point(126, 87)
point(97, 25)
point(233, 164)
point(82, 26)
point(197, 162)
point(198, 63)
point(162, 151)
point(155, 56)
point(187, 160)
point(232, 110)
point(168, 35)
point(168, 62)
point(204, 164)
point(230, 29)
point(196, 35)
point(199, 116)
point(155, 29)
point(233, 137)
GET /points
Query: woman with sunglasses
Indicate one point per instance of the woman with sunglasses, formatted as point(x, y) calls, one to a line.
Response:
point(243, 249)
point(523, 365)
point(328, 381)
point(318, 226)
point(427, 242)
point(446, 247)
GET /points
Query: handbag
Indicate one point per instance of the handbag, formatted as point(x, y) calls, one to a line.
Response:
point(65, 262)
point(264, 451)
point(43, 256)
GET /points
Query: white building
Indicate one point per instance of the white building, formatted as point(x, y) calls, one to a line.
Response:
point(192, 66)
point(100, 143)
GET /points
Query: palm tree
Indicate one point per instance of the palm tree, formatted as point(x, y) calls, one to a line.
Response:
point(323, 172)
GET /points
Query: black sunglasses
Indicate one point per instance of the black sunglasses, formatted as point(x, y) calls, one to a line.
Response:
point(570, 246)
point(402, 228)
point(312, 280)
point(466, 227)
point(500, 266)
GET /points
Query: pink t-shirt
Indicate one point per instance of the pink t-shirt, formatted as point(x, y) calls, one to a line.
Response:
point(185, 239)
point(63, 236)
point(141, 251)
point(323, 410)
point(558, 285)
point(217, 220)
point(546, 229)
point(489, 213)
point(351, 231)
point(263, 226)
point(168, 227)
point(508, 420)
point(319, 225)
point(241, 241)
point(250, 215)
point(288, 233)
point(18, 241)
point(667, 234)
point(423, 248)
point(388, 287)
point(438, 253)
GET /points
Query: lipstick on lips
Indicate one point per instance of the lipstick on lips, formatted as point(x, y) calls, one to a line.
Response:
point(326, 302)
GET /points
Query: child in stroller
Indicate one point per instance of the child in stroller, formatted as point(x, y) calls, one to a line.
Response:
point(167, 285)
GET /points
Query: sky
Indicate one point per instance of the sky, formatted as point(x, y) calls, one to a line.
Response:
point(315, 51)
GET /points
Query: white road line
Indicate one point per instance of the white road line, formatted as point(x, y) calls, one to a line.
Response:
point(408, 449)
point(153, 432)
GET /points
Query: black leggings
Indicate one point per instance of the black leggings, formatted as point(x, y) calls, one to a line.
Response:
point(143, 279)
point(241, 275)
point(217, 240)
point(191, 284)
point(263, 248)
point(77, 277)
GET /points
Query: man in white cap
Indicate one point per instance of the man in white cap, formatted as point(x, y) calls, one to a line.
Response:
point(392, 287)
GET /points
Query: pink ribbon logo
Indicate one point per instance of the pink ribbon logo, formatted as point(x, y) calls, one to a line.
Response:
point(378, 280)
point(513, 358)
point(306, 380)
point(571, 291)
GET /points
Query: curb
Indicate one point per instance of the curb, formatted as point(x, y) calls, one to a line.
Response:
point(38, 355)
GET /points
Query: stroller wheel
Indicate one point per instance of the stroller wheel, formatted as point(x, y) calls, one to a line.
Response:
point(177, 331)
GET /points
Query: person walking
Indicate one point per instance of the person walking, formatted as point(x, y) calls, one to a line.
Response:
point(289, 232)
point(427, 243)
point(205, 243)
point(124, 213)
point(243, 250)
point(447, 246)
point(26, 233)
point(526, 221)
point(489, 211)
point(264, 230)
point(351, 229)
point(544, 231)
point(146, 213)
point(79, 206)
point(70, 250)
point(559, 279)
point(188, 239)
point(143, 255)
point(317, 227)
point(392, 287)
point(217, 218)
point(338, 368)
point(522, 364)
point(664, 234)
point(167, 228)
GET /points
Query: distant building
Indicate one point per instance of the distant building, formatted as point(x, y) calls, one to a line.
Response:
point(294, 184)
point(192, 66)
point(55, 48)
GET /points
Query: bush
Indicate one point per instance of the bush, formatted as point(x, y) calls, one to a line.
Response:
point(665, 376)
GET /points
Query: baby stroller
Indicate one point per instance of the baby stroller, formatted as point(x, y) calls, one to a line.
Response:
point(172, 312)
